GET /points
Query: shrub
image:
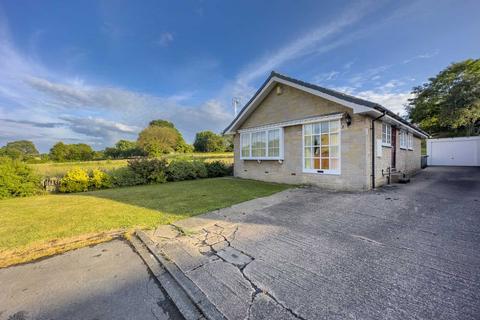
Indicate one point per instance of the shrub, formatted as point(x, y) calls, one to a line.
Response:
point(99, 180)
point(125, 176)
point(75, 180)
point(218, 169)
point(179, 170)
point(151, 170)
point(17, 179)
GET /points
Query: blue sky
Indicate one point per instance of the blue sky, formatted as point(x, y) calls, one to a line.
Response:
point(99, 71)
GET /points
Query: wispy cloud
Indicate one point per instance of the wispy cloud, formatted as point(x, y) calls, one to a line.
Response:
point(164, 40)
point(34, 123)
point(421, 56)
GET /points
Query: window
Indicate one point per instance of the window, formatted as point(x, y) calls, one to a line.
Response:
point(386, 134)
point(403, 139)
point(321, 147)
point(410, 141)
point(262, 145)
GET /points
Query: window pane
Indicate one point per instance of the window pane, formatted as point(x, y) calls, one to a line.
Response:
point(308, 163)
point(325, 139)
point(334, 125)
point(324, 127)
point(273, 152)
point(334, 139)
point(316, 163)
point(245, 142)
point(308, 129)
point(316, 151)
point(325, 152)
point(308, 152)
point(316, 140)
point(334, 164)
point(308, 141)
point(316, 128)
point(333, 152)
point(325, 164)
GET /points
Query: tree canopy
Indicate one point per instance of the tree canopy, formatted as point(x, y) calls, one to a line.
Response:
point(124, 149)
point(449, 103)
point(181, 145)
point(71, 152)
point(21, 149)
point(155, 140)
point(208, 141)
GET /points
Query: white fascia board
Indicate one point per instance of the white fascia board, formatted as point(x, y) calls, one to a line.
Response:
point(293, 122)
point(399, 123)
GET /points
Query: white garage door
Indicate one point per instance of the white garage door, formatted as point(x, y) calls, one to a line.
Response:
point(464, 151)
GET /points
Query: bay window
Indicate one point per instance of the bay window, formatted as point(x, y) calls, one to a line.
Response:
point(262, 144)
point(321, 147)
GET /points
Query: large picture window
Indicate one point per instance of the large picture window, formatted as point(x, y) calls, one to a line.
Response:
point(386, 134)
point(321, 147)
point(262, 144)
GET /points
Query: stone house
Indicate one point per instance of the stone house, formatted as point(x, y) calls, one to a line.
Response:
point(300, 133)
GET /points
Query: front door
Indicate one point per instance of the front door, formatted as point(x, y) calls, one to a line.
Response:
point(394, 147)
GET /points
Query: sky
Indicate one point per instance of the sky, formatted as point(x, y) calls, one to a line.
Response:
point(99, 71)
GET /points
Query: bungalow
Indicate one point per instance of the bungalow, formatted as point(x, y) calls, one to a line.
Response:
point(300, 133)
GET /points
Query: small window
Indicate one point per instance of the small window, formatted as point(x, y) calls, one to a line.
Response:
point(262, 144)
point(386, 134)
point(410, 141)
point(403, 139)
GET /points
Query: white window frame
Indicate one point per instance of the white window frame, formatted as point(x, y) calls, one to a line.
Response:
point(320, 171)
point(248, 135)
point(410, 141)
point(403, 139)
point(387, 135)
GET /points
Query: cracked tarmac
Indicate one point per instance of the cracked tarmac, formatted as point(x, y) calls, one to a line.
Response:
point(401, 252)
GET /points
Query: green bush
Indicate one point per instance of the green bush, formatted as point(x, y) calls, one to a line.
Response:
point(17, 179)
point(75, 180)
point(99, 180)
point(179, 170)
point(218, 169)
point(151, 170)
point(125, 176)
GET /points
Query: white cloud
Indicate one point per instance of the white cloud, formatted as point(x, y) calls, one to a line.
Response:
point(165, 39)
point(421, 56)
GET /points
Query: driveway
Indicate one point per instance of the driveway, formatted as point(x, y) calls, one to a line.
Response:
point(402, 252)
point(107, 281)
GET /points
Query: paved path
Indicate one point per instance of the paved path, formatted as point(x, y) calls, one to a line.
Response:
point(402, 252)
point(107, 281)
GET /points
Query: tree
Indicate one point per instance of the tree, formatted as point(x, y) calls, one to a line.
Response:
point(449, 103)
point(207, 141)
point(70, 152)
point(155, 140)
point(22, 149)
point(124, 149)
point(181, 146)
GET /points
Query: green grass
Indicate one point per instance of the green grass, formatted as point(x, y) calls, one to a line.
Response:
point(29, 224)
point(58, 169)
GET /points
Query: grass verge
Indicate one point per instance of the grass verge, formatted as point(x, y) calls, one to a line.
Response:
point(34, 227)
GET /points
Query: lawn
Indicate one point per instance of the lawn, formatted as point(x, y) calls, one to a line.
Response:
point(58, 169)
point(44, 225)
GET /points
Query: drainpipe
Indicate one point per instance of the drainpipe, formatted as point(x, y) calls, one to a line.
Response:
point(373, 148)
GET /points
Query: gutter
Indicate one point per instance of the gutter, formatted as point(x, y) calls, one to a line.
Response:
point(373, 147)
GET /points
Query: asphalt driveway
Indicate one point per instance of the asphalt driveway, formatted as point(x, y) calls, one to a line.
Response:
point(107, 281)
point(402, 252)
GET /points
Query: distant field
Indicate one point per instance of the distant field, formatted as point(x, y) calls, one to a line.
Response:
point(54, 169)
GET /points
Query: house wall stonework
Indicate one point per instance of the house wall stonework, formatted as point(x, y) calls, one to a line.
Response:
point(355, 145)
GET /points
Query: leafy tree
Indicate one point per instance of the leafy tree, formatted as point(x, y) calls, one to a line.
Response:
point(181, 146)
point(155, 140)
point(59, 152)
point(124, 149)
point(71, 152)
point(22, 149)
point(208, 141)
point(449, 103)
